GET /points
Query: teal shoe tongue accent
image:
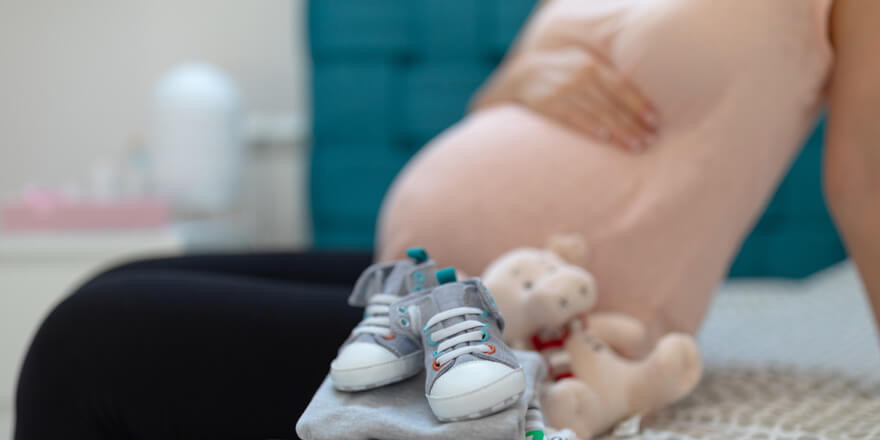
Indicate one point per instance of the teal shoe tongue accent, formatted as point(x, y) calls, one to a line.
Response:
point(417, 254)
point(447, 275)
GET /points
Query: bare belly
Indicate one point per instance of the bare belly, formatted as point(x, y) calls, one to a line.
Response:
point(506, 178)
point(661, 226)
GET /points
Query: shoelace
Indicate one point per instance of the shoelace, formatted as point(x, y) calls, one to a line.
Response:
point(471, 331)
point(376, 320)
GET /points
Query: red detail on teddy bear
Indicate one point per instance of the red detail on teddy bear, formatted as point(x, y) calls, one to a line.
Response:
point(541, 345)
point(555, 344)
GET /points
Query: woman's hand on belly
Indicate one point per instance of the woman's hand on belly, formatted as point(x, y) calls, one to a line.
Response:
point(578, 88)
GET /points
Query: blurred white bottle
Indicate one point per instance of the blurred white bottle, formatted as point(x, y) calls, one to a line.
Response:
point(196, 138)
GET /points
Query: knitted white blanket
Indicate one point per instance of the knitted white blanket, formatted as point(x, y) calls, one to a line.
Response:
point(784, 360)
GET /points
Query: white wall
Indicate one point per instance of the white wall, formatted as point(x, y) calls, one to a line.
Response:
point(75, 84)
point(76, 77)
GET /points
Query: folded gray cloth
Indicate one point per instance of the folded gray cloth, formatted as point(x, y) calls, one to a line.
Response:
point(401, 412)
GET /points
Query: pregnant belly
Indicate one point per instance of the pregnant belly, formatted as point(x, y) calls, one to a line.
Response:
point(506, 178)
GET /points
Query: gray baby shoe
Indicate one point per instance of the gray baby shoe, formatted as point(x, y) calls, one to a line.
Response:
point(471, 373)
point(374, 355)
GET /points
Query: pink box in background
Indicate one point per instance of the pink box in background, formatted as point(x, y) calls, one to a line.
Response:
point(44, 210)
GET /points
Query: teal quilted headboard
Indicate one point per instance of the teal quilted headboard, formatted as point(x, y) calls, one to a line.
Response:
point(390, 74)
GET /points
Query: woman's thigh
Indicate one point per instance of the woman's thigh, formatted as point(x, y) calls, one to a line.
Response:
point(320, 267)
point(172, 353)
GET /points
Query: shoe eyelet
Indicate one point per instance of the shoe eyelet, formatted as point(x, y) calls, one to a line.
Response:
point(402, 309)
point(485, 335)
point(430, 342)
point(388, 338)
point(436, 365)
point(404, 322)
point(419, 277)
point(491, 349)
point(435, 354)
point(485, 314)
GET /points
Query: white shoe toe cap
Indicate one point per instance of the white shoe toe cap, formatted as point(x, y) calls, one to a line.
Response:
point(468, 377)
point(362, 355)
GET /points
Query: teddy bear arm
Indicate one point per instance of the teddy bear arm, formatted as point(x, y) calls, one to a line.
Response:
point(571, 404)
point(624, 334)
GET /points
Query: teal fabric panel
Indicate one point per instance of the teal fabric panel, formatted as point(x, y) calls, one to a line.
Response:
point(354, 107)
point(345, 208)
point(358, 28)
point(434, 96)
point(795, 236)
point(391, 74)
point(504, 19)
point(444, 29)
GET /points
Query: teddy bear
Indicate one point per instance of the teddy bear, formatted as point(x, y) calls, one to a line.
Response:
point(593, 382)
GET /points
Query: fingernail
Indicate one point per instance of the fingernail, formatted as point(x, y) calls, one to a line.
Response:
point(651, 119)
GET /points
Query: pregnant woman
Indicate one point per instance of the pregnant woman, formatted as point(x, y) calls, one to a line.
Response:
point(738, 85)
point(233, 346)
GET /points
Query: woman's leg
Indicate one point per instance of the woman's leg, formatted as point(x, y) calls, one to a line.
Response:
point(338, 268)
point(150, 350)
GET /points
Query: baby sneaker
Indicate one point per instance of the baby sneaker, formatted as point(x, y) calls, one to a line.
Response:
point(374, 355)
point(471, 373)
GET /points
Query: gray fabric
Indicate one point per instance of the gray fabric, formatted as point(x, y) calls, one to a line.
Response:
point(410, 278)
point(371, 282)
point(418, 310)
point(401, 412)
point(400, 346)
point(395, 278)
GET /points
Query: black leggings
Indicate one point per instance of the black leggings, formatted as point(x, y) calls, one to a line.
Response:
point(226, 346)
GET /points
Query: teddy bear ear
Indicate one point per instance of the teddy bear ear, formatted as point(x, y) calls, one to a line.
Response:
point(570, 247)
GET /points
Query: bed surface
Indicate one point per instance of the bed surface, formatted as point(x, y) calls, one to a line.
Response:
point(796, 360)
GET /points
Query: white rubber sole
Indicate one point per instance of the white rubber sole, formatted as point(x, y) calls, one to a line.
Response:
point(374, 376)
point(482, 401)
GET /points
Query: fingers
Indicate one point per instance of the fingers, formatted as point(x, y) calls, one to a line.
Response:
point(582, 120)
point(630, 118)
point(586, 93)
point(628, 97)
point(619, 127)
point(564, 95)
